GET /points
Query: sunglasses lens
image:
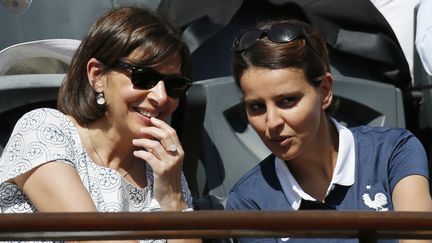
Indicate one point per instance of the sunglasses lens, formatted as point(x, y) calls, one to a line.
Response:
point(177, 85)
point(246, 40)
point(146, 79)
point(279, 33)
point(282, 33)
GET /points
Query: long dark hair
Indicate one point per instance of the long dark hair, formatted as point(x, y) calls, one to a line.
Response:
point(113, 36)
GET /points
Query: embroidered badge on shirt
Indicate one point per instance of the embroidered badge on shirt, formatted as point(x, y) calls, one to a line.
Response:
point(378, 202)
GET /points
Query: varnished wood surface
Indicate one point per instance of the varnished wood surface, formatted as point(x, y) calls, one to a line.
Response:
point(365, 225)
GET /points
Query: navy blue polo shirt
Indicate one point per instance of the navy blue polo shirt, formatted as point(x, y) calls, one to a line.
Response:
point(383, 156)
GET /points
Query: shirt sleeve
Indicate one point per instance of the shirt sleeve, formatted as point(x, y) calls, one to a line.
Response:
point(408, 158)
point(186, 192)
point(237, 202)
point(39, 136)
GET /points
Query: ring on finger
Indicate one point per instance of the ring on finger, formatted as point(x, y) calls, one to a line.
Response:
point(172, 148)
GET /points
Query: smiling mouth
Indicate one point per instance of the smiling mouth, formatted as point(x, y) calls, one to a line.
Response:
point(146, 113)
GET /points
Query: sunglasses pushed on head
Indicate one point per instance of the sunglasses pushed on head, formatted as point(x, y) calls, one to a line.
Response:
point(278, 33)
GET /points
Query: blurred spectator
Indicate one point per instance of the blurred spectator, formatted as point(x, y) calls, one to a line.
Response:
point(423, 40)
point(400, 15)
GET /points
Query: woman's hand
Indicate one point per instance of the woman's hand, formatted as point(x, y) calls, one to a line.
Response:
point(161, 149)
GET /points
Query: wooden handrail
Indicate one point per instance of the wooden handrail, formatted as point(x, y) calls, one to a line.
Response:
point(365, 225)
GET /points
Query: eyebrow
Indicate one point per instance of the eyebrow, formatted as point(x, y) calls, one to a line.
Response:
point(278, 96)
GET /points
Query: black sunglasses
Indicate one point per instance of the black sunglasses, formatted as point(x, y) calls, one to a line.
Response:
point(279, 33)
point(146, 78)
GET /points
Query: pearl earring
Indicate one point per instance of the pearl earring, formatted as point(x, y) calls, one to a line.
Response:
point(100, 99)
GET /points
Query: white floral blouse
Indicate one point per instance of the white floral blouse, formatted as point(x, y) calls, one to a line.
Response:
point(45, 135)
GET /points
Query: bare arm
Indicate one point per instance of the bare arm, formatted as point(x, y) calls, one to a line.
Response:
point(412, 194)
point(57, 187)
point(58, 182)
point(166, 165)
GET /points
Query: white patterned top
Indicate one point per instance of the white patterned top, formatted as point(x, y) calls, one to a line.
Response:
point(45, 135)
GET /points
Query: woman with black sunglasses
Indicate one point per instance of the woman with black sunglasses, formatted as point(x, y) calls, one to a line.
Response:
point(107, 148)
point(282, 69)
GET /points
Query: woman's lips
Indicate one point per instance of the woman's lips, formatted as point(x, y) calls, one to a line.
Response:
point(146, 113)
point(282, 141)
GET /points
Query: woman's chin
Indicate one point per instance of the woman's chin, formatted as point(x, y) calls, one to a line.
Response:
point(285, 154)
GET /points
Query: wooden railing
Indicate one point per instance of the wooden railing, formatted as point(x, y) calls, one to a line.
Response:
point(367, 226)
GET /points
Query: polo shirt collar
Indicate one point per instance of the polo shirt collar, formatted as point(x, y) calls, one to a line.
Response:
point(343, 174)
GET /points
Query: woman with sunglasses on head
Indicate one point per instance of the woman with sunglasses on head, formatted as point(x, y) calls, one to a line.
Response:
point(282, 69)
point(107, 148)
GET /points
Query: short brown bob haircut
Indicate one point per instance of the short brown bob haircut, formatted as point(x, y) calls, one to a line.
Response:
point(113, 36)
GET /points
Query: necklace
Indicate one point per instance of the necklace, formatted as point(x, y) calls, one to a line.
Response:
point(100, 159)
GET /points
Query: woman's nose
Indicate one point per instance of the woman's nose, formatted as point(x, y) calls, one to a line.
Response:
point(158, 93)
point(274, 119)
